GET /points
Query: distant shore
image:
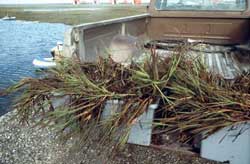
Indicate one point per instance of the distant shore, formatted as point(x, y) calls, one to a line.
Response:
point(69, 14)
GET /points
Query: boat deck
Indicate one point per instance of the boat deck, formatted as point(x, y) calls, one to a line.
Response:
point(228, 61)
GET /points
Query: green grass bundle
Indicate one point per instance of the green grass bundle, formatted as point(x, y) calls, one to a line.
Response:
point(193, 100)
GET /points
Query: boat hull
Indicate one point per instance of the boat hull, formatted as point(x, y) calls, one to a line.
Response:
point(8, 18)
point(44, 63)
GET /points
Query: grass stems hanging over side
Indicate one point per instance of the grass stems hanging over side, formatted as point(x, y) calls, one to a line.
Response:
point(193, 100)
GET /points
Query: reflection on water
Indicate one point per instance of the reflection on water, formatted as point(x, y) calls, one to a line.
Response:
point(20, 43)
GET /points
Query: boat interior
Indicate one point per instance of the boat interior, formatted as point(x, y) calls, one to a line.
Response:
point(221, 33)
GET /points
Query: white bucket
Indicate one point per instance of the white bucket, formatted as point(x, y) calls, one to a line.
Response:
point(231, 144)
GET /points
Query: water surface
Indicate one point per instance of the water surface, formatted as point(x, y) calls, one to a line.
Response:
point(20, 43)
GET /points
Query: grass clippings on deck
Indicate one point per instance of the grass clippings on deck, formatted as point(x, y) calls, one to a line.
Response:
point(193, 100)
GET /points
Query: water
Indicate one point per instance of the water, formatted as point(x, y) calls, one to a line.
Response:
point(20, 43)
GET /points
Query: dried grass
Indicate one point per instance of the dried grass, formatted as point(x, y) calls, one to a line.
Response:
point(194, 101)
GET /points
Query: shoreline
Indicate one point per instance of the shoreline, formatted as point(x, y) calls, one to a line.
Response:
point(26, 145)
point(69, 14)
